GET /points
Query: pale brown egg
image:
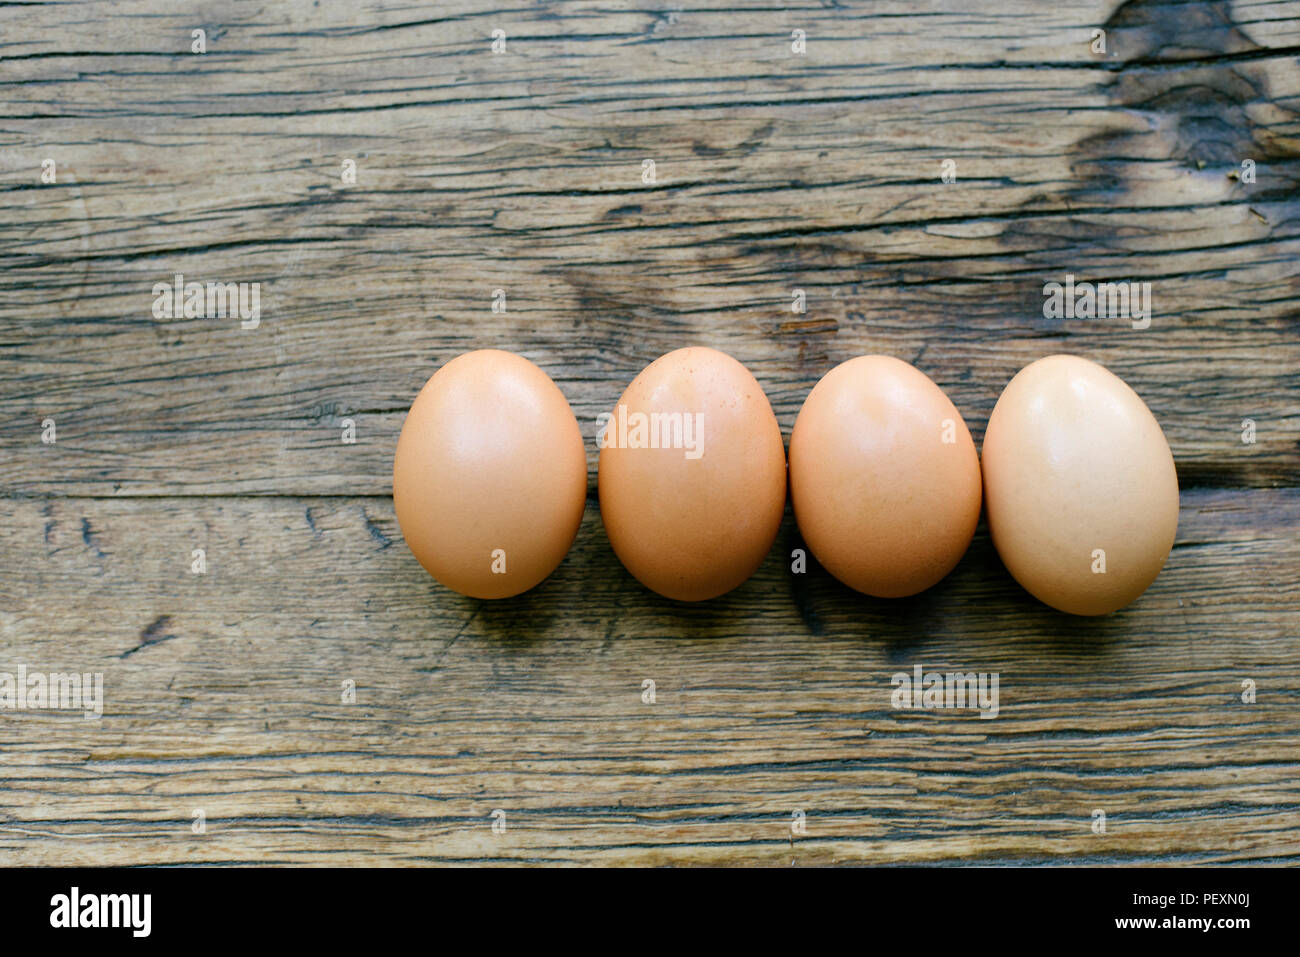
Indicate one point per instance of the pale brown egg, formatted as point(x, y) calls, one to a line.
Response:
point(1080, 486)
point(884, 477)
point(692, 475)
point(490, 475)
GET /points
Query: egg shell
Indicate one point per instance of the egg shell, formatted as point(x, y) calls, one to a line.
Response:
point(884, 477)
point(693, 528)
point(490, 475)
point(1078, 477)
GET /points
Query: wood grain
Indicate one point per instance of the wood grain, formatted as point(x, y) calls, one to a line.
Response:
point(523, 172)
point(223, 693)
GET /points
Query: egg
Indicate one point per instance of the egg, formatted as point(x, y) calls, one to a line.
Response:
point(1080, 486)
point(490, 475)
point(884, 477)
point(692, 475)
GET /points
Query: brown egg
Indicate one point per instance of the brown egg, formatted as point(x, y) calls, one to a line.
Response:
point(884, 477)
point(692, 475)
point(490, 475)
point(1080, 486)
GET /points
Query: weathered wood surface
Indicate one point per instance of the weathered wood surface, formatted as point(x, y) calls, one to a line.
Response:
point(523, 172)
point(223, 694)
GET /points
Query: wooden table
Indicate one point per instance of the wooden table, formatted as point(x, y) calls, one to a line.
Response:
point(226, 735)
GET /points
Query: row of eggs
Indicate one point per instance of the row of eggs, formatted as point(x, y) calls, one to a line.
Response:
point(1076, 478)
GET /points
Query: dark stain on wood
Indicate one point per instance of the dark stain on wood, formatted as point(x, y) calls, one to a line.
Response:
point(88, 538)
point(375, 531)
point(154, 633)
